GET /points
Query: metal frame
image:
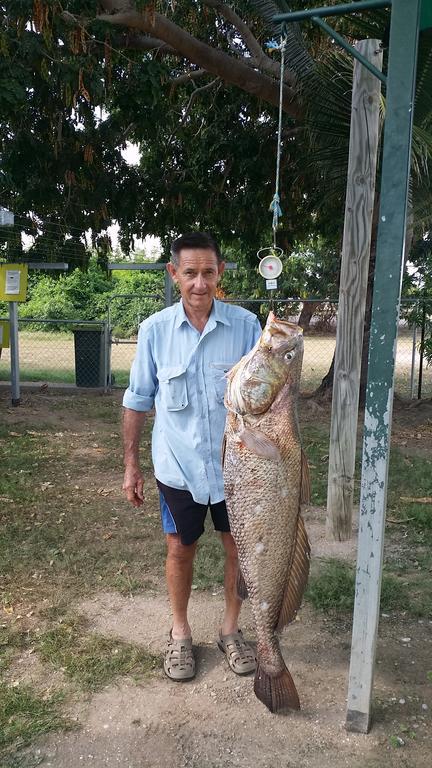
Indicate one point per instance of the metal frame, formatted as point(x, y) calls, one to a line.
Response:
point(404, 33)
point(158, 266)
point(333, 10)
point(349, 48)
point(316, 15)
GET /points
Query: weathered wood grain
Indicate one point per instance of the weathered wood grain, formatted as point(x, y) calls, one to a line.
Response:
point(364, 137)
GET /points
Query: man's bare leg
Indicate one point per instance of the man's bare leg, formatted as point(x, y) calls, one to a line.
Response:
point(232, 601)
point(179, 570)
point(241, 657)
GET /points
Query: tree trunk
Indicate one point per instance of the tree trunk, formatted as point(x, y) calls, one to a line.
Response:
point(325, 389)
point(308, 310)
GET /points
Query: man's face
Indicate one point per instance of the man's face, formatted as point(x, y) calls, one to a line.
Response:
point(197, 277)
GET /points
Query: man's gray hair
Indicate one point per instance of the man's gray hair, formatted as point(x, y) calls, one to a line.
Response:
point(194, 240)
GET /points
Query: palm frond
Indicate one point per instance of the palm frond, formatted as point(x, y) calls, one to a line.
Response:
point(297, 55)
point(423, 101)
point(269, 8)
point(324, 81)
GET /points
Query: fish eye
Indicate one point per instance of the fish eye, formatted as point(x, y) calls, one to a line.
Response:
point(289, 355)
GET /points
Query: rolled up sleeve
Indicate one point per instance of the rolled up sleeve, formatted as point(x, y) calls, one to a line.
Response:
point(140, 394)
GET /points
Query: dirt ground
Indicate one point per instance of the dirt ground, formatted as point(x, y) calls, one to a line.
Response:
point(215, 721)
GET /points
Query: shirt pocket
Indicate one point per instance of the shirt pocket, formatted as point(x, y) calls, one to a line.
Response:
point(173, 387)
point(218, 373)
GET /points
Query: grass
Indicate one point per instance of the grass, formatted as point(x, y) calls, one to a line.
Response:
point(51, 375)
point(332, 586)
point(91, 660)
point(24, 715)
point(72, 539)
point(11, 641)
point(62, 539)
point(411, 478)
point(407, 582)
point(23, 454)
point(315, 439)
point(57, 352)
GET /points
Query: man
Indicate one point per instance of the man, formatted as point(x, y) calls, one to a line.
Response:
point(183, 354)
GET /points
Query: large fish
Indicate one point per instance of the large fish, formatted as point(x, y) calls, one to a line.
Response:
point(266, 478)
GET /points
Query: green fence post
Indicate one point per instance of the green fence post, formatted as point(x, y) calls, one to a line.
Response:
point(404, 32)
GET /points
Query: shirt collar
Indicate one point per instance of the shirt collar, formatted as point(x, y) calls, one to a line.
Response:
point(220, 312)
point(217, 314)
point(181, 316)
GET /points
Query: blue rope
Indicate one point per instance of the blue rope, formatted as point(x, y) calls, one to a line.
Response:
point(275, 203)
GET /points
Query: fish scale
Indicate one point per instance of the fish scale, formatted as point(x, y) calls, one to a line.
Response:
point(264, 473)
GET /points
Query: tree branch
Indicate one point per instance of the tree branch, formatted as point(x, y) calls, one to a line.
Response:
point(214, 61)
point(230, 15)
point(147, 43)
point(194, 74)
point(258, 56)
point(268, 65)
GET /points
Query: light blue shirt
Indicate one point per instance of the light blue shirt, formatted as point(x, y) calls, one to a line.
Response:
point(181, 372)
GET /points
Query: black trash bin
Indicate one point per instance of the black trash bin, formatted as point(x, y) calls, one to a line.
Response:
point(89, 356)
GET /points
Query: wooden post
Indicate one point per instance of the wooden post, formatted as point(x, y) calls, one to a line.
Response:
point(352, 291)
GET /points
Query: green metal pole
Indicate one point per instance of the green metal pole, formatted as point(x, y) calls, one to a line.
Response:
point(333, 10)
point(349, 48)
point(402, 66)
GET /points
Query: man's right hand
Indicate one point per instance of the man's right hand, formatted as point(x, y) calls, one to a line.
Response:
point(133, 485)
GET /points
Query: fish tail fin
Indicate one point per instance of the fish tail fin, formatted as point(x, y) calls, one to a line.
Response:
point(277, 692)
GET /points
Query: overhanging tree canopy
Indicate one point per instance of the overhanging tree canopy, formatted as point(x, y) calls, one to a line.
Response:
point(194, 84)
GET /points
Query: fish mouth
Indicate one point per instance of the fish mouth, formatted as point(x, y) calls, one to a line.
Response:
point(281, 335)
point(273, 321)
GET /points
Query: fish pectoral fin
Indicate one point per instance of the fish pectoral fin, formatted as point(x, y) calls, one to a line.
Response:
point(305, 488)
point(297, 576)
point(257, 442)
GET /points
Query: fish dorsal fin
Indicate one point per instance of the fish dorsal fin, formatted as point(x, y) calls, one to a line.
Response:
point(297, 576)
point(223, 450)
point(305, 487)
point(242, 591)
point(257, 442)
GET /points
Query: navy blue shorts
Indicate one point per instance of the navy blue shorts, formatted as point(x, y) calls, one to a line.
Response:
point(181, 514)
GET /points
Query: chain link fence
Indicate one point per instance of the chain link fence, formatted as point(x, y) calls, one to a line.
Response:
point(61, 352)
point(94, 354)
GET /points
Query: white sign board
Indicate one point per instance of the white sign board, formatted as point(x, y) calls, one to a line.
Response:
point(271, 285)
point(13, 279)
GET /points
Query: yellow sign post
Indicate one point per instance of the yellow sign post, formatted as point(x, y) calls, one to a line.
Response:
point(4, 334)
point(13, 288)
point(13, 282)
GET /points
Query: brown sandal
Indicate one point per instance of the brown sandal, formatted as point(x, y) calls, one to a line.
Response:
point(240, 655)
point(179, 661)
